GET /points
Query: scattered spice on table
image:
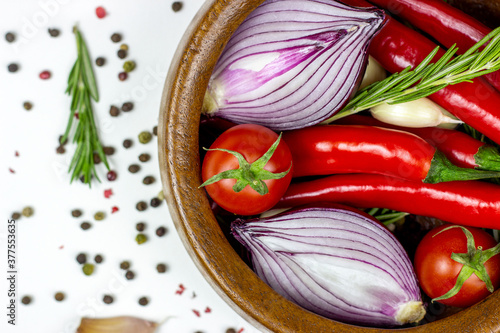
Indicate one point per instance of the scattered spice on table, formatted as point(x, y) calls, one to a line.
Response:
point(81, 258)
point(128, 66)
point(127, 143)
point(45, 75)
point(27, 211)
point(53, 32)
point(141, 239)
point(98, 259)
point(116, 37)
point(100, 61)
point(161, 268)
point(148, 180)
point(155, 130)
point(107, 299)
point(13, 68)
point(97, 158)
point(59, 296)
point(10, 37)
point(230, 330)
point(108, 193)
point(180, 290)
point(12, 170)
point(114, 209)
point(16, 216)
point(124, 47)
point(108, 150)
point(76, 213)
point(161, 231)
point(60, 149)
point(99, 216)
point(208, 310)
point(133, 168)
point(122, 54)
point(125, 265)
point(141, 226)
point(145, 137)
point(88, 269)
point(27, 106)
point(144, 157)
point(127, 106)
point(100, 12)
point(122, 76)
point(143, 301)
point(155, 202)
point(177, 6)
point(111, 175)
point(26, 300)
point(114, 111)
point(129, 275)
point(141, 206)
point(197, 313)
point(85, 225)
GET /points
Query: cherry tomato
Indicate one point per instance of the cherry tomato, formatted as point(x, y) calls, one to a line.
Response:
point(251, 141)
point(437, 272)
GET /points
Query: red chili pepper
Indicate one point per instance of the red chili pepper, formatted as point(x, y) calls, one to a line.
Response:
point(445, 23)
point(331, 149)
point(460, 148)
point(476, 103)
point(472, 203)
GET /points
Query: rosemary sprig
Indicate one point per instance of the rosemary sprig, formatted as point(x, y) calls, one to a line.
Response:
point(427, 77)
point(82, 88)
point(386, 216)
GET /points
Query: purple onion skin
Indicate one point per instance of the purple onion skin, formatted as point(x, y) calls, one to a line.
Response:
point(335, 261)
point(292, 63)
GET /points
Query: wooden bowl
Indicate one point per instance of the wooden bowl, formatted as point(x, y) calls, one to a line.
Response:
point(189, 207)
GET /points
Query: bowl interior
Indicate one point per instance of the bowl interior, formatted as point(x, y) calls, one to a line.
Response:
point(199, 230)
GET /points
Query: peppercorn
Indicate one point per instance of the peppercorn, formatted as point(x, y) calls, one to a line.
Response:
point(88, 269)
point(97, 158)
point(27, 211)
point(177, 6)
point(129, 275)
point(141, 239)
point(122, 76)
point(161, 268)
point(13, 68)
point(143, 301)
point(59, 296)
point(127, 143)
point(144, 157)
point(124, 47)
point(133, 168)
point(116, 37)
point(161, 196)
point(99, 216)
point(125, 265)
point(161, 231)
point(54, 32)
point(98, 259)
point(85, 225)
point(148, 180)
point(76, 213)
point(140, 226)
point(16, 216)
point(100, 61)
point(141, 206)
point(155, 130)
point(81, 258)
point(230, 330)
point(127, 106)
point(45, 75)
point(107, 299)
point(111, 175)
point(27, 106)
point(26, 300)
point(108, 150)
point(122, 54)
point(155, 202)
point(100, 12)
point(60, 150)
point(10, 37)
point(145, 137)
point(114, 111)
point(128, 66)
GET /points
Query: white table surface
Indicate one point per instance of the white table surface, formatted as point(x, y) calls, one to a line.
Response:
point(32, 174)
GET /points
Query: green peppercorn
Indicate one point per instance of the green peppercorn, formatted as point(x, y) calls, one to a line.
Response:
point(27, 211)
point(76, 213)
point(125, 265)
point(124, 47)
point(88, 269)
point(99, 216)
point(128, 66)
point(145, 137)
point(27, 106)
point(141, 239)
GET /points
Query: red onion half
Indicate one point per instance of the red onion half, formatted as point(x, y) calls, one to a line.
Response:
point(292, 63)
point(335, 261)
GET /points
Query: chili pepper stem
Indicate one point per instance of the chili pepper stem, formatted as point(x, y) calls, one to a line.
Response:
point(488, 158)
point(442, 170)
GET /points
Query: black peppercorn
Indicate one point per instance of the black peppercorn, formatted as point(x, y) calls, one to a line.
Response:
point(155, 130)
point(155, 202)
point(114, 111)
point(54, 32)
point(143, 301)
point(85, 225)
point(13, 68)
point(59, 296)
point(141, 206)
point(133, 168)
point(26, 300)
point(116, 37)
point(127, 106)
point(125, 265)
point(107, 299)
point(108, 150)
point(76, 213)
point(100, 61)
point(129, 275)
point(10, 37)
point(81, 258)
point(140, 226)
point(144, 157)
point(27, 106)
point(97, 158)
point(161, 231)
point(177, 6)
point(98, 259)
point(122, 54)
point(60, 150)
point(148, 180)
point(161, 268)
point(127, 143)
point(230, 330)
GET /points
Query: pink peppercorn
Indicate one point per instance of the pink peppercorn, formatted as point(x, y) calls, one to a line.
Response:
point(45, 75)
point(111, 175)
point(122, 76)
point(100, 12)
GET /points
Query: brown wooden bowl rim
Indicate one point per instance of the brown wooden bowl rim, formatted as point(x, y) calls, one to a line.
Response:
point(234, 281)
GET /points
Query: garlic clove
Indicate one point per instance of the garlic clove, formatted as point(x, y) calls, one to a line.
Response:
point(122, 324)
point(374, 72)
